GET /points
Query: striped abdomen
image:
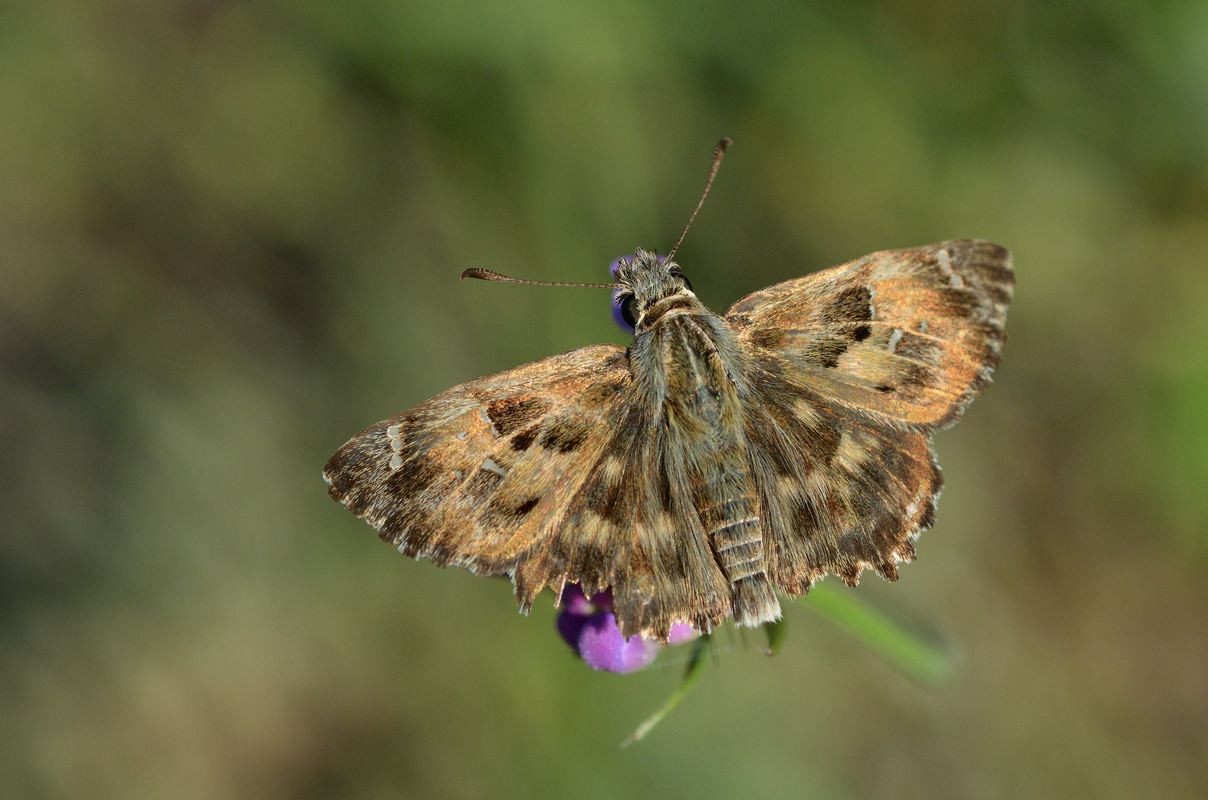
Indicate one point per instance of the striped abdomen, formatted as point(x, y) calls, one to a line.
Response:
point(704, 421)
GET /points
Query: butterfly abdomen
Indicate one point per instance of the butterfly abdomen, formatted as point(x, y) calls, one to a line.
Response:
point(731, 513)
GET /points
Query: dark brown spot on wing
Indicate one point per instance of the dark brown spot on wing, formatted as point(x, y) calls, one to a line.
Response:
point(998, 294)
point(565, 436)
point(522, 440)
point(852, 305)
point(768, 338)
point(919, 348)
point(957, 303)
point(918, 377)
point(997, 272)
point(805, 518)
point(503, 511)
point(824, 351)
point(765, 430)
point(342, 469)
point(823, 442)
point(594, 563)
point(513, 413)
point(602, 498)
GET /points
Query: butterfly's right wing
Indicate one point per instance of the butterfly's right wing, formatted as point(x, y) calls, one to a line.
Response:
point(548, 473)
point(477, 475)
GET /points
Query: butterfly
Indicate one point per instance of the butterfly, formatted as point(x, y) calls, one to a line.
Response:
point(718, 461)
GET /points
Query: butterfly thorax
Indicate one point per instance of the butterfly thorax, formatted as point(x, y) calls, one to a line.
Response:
point(689, 369)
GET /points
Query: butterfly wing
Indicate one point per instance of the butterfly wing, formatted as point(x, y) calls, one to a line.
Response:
point(906, 336)
point(550, 472)
point(840, 493)
point(633, 526)
point(850, 370)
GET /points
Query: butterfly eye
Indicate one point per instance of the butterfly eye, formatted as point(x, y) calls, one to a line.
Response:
point(629, 312)
point(675, 273)
point(624, 311)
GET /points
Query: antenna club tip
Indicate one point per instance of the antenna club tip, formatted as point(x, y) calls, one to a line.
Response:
point(471, 272)
point(725, 142)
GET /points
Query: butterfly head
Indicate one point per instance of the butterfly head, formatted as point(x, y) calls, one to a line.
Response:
point(643, 281)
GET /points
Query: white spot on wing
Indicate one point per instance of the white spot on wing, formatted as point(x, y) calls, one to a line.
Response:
point(394, 430)
point(894, 338)
point(944, 259)
point(396, 461)
point(490, 466)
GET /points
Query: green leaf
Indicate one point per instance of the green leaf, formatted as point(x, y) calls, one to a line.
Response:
point(775, 631)
point(920, 656)
point(924, 658)
point(692, 673)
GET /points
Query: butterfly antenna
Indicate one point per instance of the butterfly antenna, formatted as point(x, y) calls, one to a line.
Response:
point(497, 277)
point(719, 153)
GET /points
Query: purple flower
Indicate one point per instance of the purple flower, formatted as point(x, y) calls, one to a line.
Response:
point(681, 633)
point(589, 626)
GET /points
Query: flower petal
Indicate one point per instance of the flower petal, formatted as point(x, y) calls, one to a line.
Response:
point(680, 633)
point(603, 647)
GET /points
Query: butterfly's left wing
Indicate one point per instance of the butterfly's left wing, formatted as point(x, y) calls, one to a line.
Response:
point(849, 371)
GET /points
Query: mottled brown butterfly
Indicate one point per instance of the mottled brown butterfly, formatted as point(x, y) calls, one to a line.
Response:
point(714, 461)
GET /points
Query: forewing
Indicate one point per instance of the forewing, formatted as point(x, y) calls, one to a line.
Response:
point(907, 336)
point(480, 474)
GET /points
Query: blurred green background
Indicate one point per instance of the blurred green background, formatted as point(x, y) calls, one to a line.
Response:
point(231, 237)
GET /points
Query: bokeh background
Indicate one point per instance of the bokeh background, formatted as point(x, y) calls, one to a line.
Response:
point(230, 239)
